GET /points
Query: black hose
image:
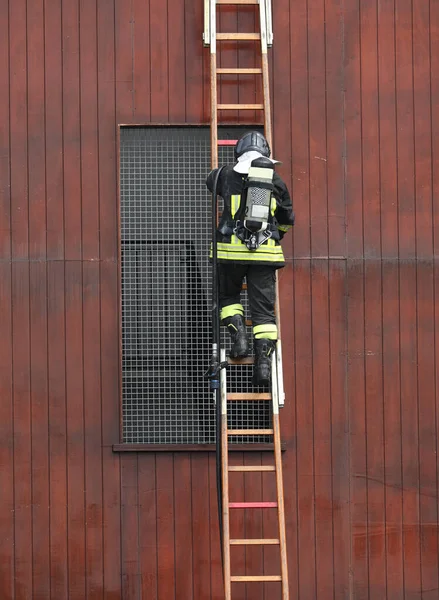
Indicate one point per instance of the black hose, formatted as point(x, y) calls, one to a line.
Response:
point(216, 358)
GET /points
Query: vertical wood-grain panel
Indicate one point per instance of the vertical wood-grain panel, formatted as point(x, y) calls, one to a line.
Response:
point(93, 466)
point(197, 65)
point(359, 534)
point(22, 429)
point(405, 130)
point(410, 429)
point(5, 147)
point(112, 568)
point(334, 128)
point(18, 130)
point(75, 428)
point(7, 572)
point(436, 378)
point(124, 60)
point(40, 430)
point(317, 128)
point(54, 129)
point(305, 409)
point(216, 572)
point(288, 421)
point(339, 427)
point(71, 86)
point(148, 526)
point(107, 134)
point(370, 130)
point(35, 132)
point(130, 527)
point(392, 431)
point(165, 527)
point(321, 386)
point(56, 337)
point(300, 145)
point(109, 302)
point(202, 518)
point(89, 129)
point(352, 131)
point(177, 63)
point(159, 66)
point(183, 527)
point(422, 129)
point(428, 505)
point(374, 414)
point(434, 83)
point(141, 60)
point(387, 128)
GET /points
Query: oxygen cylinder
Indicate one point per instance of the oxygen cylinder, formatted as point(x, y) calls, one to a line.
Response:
point(259, 190)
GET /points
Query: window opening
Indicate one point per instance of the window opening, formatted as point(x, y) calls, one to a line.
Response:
point(165, 287)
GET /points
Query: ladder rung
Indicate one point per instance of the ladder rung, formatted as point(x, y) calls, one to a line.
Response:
point(224, 70)
point(255, 542)
point(238, 36)
point(227, 142)
point(252, 468)
point(240, 107)
point(255, 578)
point(237, 2)
point(249, 360)
point(249, 396)
point(250, 432)
point(252, 504)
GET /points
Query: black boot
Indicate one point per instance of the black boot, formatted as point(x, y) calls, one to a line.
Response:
point(238, 333)
point(264, 349)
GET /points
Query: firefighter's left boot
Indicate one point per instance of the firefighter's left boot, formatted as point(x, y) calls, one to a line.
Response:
point(264, 349)
point(236, 327)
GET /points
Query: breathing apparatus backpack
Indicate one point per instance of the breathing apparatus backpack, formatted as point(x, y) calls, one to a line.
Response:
point(254, 228)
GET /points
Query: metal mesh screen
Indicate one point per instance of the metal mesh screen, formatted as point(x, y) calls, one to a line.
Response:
point(165, 286)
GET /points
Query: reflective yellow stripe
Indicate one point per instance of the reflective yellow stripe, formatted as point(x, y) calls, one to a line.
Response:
point(239, 252)
point(264, 258)
point(284, 227)
point(232, 310)
point(273, 205)
point(241, 248)
point(267, 331)
point(235, 201)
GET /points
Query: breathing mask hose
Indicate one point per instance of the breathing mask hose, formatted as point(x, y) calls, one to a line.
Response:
point(216, 359)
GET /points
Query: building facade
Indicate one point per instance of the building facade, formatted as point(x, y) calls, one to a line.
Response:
point(355, 117)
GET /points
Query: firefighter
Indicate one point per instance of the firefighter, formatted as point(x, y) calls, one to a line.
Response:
point(257, 213)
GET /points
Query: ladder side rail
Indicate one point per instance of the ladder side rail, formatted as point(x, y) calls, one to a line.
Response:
point(280, 374)
point(225, 480)
point(269, 21)
point(265, 76)
point(280, 490)
point(213, 87)
point(206, 31)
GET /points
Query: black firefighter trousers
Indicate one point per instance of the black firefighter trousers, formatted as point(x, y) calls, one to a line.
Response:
point(261, 289)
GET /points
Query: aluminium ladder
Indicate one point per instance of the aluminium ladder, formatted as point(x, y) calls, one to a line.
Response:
point(263, 37)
